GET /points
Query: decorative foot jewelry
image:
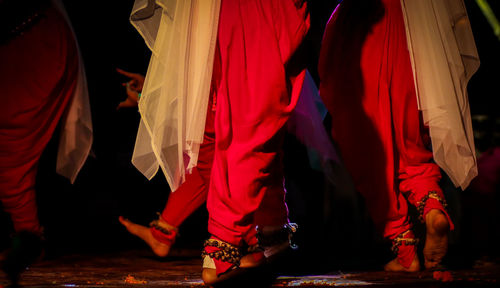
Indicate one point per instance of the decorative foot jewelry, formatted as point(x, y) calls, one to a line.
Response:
point(421, 203)
point(277, 236)
point(274, 240)
point(402, 239)
point(163, 231)
point(221, 261)
point(226, 253)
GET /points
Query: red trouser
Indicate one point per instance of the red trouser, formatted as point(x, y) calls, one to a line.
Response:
point(38, 74)
point(367, 85)
point(193, 192)
point(256, 40)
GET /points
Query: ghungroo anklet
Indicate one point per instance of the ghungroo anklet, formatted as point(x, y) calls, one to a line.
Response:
point(163, 227)
point(421, 203)
point(402, 239)
point(227, 253)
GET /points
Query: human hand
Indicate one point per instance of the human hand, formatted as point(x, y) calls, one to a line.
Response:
point(136, 80)
point(133, 86)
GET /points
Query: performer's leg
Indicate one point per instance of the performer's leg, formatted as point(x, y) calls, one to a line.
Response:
point(232, 211)
point(38, 76)
point(354, 87)
point(40, 68)
point(193, 193)
point(161, 234)
point(182, 202)
point(251, 104)
point(17, 195)
point(418, 173)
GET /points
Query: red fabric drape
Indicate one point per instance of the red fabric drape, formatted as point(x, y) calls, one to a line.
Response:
point(193, 192)
point(38, 74)
point(254, 98)
point(367, 85)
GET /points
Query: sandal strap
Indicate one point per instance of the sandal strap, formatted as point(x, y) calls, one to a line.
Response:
point(226, 253)
point(421, 203)
point(403, 239)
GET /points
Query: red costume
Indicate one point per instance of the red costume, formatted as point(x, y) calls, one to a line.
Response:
point(38, 75)
point(257, 90)
point(193, 192)
point(367, 85)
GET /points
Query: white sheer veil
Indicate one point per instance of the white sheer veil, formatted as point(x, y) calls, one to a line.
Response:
point(76, 136)
point(444, 57)
point(181, 35)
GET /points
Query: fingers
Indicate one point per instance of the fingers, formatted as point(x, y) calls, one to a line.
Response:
point(136, 80)
point(127, 104)
point(135, 76)
point(128, 74)
point(134, 85)
point(132, 95)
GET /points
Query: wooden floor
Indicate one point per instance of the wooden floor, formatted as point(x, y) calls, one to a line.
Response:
point(139, 268)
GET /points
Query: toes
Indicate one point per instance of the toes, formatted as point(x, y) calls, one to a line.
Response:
point(124, 221)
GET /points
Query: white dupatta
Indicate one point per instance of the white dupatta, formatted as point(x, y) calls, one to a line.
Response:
point(181, 35)
point(444, 57)
point(76, 136)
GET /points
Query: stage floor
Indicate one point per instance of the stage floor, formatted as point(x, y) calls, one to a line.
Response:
point(139, 268)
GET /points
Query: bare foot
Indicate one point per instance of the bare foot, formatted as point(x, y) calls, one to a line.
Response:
point(159, 248)
point(436, 239)
point(252, 260)
point(395, 266)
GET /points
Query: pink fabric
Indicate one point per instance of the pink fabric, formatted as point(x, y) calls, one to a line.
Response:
point(38, 74)
point(367, 85)
point(257, 91)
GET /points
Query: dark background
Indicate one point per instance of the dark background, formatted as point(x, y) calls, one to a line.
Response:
point(82, 218)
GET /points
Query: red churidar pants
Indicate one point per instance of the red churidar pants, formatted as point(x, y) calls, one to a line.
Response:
point(255, 95)
point(193, 192)
point(367, 85)
point(38, 74)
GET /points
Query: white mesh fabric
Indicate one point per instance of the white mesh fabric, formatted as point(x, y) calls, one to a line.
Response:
point(444, 57)
point(76, 134)
point(182, 37)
